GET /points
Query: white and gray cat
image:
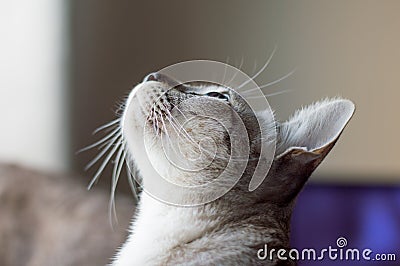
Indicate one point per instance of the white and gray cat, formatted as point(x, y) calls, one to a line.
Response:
point(231, 229)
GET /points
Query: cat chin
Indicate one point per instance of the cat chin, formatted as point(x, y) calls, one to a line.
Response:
point(134, 118)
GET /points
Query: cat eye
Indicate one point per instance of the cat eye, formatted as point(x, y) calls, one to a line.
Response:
point(217, 95)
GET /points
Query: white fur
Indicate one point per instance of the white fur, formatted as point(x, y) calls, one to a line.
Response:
point(157, 229)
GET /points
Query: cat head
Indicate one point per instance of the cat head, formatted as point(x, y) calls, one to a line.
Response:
point(206, 138)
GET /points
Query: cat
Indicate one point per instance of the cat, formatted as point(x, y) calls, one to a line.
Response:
point(49, 219)
point(232, 228)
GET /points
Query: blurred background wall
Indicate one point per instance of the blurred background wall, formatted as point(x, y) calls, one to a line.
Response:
point(32, 76)
point(347, 48)
point(337, 47)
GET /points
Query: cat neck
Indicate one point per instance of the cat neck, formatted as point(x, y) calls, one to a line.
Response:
point(163, 233)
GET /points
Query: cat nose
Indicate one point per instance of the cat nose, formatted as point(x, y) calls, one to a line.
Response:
point(152, 77)
point(161, 78)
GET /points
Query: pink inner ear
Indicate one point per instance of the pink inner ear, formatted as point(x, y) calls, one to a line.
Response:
point(315, 126)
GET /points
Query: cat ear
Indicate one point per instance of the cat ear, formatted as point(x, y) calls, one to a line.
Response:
point(315, 126)
point(303, 142)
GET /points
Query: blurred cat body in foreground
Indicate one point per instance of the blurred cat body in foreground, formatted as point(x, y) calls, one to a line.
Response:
point(49, 219)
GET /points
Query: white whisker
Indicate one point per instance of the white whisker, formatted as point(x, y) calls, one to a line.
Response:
point(226, 66)
point(261, 70)
point(236, 72)
point(178, 128)
point(108, 137)
point(109, 124)
point(179, 110)
point(132, 184)
point(268, 95)
point(101, 154)
point(118, 163)
point(103, 165)
point(166, 133)
point(271, 83)
point(157, 123)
